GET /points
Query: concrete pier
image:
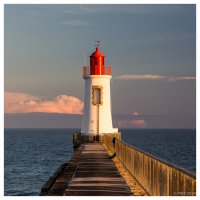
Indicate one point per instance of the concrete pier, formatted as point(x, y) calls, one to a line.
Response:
point(92, 173)
point(96, 174)
point(113, 168)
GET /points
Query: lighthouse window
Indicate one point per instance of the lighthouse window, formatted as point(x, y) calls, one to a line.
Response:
point(96, 61)
point(97, 95)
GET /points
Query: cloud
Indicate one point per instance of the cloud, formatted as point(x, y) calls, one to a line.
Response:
point(135, 113)
point(130, 121)
point(139, 123)
point(75, 22)
point(79, 9)
point(135, 9)
point(89, 9)
point(25, 103)
point(75, 9)
point(155, 77)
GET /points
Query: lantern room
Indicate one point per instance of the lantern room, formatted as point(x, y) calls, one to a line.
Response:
point(97, 63)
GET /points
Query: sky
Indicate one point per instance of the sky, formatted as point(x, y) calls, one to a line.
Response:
point(151, 48)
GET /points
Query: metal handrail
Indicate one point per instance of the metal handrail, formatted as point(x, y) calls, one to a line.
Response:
point(86, 71)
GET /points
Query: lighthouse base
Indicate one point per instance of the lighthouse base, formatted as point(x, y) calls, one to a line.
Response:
point(98, 137)
point(112, 131)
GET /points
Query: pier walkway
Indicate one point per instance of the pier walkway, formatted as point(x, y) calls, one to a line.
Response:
point(90, 172)
point(96, 174)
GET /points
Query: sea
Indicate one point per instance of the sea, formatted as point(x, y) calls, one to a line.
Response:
point(31, 156)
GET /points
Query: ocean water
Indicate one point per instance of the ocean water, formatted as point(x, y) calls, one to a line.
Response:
point(177, 146)
point(31, 156)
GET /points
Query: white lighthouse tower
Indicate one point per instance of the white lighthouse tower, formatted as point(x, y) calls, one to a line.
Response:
point(97, 118)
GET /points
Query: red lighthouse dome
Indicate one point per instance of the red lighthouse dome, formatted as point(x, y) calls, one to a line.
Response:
point(97, 63)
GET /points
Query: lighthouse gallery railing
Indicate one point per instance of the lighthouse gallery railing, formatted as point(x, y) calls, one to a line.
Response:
point(86, 71)
point(156, 176)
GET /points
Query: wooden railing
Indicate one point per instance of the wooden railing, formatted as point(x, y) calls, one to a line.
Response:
point(156, 176)
point(108, 140)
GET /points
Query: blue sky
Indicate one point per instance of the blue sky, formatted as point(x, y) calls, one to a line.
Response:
point(151, 48)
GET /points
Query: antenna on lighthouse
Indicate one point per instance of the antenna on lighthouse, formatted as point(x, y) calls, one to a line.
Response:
point(97, 43)
point(85, 60)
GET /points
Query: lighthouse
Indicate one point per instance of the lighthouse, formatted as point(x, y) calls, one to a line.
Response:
point(97, 116)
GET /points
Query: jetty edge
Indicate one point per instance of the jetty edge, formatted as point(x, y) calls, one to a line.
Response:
point(86, 172)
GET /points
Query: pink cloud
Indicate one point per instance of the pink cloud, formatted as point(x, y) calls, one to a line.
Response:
point(139, 123)
point(23, 103)
point(132, 123)
point(135, 114)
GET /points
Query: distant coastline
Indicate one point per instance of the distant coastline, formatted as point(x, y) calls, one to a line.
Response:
point(56, 120)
